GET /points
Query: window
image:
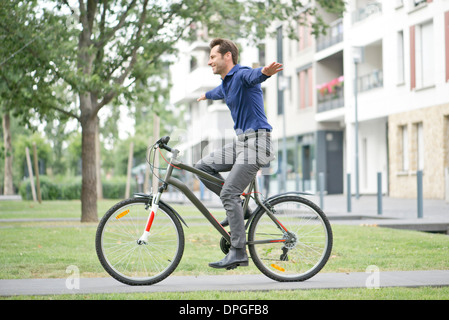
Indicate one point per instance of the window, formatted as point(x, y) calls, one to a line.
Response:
point(305, 81)
point(304, 32)
point(446, 36)
point(193, 63)
point(404, 136)
point(424, 54)
point(446, 143)
point(400, 57)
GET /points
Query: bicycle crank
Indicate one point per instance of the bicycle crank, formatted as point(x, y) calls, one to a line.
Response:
point(224, 245)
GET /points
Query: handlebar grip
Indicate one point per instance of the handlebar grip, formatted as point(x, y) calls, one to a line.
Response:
point(165, 139)
point(165, 147)
point(162, 143)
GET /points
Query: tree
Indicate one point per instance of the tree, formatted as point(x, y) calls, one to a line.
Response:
point(111, 46)
point(26, 89)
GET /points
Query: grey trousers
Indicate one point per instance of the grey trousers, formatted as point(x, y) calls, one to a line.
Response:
point(242, 159)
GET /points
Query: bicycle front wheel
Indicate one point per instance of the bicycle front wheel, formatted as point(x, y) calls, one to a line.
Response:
point(297, 246)
point(133, 262)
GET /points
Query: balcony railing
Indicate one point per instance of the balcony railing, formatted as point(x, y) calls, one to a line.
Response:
point(372, 80)
point(334, 35)
point(331, 95)
point(362, 13)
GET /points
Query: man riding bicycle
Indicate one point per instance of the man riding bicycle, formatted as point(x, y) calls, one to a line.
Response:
point(252, 149)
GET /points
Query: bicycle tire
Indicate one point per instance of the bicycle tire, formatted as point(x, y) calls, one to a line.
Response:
point(139, 264)
point(303, 252)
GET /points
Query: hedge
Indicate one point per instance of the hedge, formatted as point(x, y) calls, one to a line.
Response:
point(70, 188)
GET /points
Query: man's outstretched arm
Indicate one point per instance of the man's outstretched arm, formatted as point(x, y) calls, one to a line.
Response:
point(272, 69)
point(252, 77)
point(214, 94)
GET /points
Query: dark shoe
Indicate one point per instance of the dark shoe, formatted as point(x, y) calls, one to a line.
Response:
point(225, 222)
point(235, 258)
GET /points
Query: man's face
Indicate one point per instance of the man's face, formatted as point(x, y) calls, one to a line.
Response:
point(217, 61)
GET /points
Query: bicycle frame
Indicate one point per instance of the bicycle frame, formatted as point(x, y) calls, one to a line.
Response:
point(170, 180)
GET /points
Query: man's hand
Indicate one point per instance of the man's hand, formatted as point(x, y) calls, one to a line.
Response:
point(202, 97)
point(272, 69)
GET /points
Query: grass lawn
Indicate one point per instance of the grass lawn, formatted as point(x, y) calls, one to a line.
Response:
point(45, 249)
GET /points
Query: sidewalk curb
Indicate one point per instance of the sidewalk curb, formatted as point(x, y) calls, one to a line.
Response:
point(370, 280)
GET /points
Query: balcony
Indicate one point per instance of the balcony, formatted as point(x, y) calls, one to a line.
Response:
point(331, 95)
point(334, 35)
point(372, 80)
point(365, 11)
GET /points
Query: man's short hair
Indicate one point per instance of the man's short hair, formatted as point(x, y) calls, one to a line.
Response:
point(226, 46)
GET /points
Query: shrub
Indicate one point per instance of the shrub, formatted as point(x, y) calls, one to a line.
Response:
point(49, 190)
point(115, 187)
point(69, 188)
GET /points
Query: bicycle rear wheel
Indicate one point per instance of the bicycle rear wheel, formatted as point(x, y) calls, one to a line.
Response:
point(298, 248)
point(130, 262)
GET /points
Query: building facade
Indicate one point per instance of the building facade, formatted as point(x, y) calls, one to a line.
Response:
point(372, 96)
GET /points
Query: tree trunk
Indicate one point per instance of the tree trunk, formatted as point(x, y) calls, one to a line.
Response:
point(98, 160)
point(8, 183)
point(88, 158)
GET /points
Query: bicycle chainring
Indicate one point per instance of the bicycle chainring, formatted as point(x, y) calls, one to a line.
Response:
point(224, 245)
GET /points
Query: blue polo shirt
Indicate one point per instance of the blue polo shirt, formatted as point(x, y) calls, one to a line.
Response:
point(243, 95)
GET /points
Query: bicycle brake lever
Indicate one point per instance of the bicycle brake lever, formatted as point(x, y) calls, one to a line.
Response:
point(162, 142)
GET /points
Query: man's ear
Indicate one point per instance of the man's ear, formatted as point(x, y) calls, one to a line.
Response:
point(228, 55)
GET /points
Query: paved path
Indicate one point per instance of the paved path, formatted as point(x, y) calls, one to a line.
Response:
point(227, 283)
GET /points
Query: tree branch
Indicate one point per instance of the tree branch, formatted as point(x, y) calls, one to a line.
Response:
point(137, 38)
point(91, 12)
point(67, 113)
point(136, 46)
point(112, 93)
point(83, 15)
point(104, 37)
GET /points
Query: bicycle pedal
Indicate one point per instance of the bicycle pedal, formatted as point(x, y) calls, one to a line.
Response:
point(232, 267)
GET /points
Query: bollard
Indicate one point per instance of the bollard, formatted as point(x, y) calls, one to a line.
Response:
point(379, 193)
point(201, 191)
point(321, 179)
point(348, 202)
point(420, 193)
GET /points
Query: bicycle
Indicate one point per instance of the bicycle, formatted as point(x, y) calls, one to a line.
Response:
point(140, 240)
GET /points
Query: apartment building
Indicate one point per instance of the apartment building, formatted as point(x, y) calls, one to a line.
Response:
point(371, 96)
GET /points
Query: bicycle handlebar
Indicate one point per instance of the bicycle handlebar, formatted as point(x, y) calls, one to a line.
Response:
point(162, 143)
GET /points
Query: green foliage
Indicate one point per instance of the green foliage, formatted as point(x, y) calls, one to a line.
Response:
point(23, 141)
point(49, 190)
point(27, 87)
point(114, 188)
point(69, 188)
point(74, 152)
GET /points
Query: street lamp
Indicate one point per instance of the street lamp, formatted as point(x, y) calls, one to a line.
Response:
point(357, 55)
point(284, 84)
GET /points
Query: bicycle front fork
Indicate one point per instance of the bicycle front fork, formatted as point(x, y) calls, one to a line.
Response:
point(154, 207)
